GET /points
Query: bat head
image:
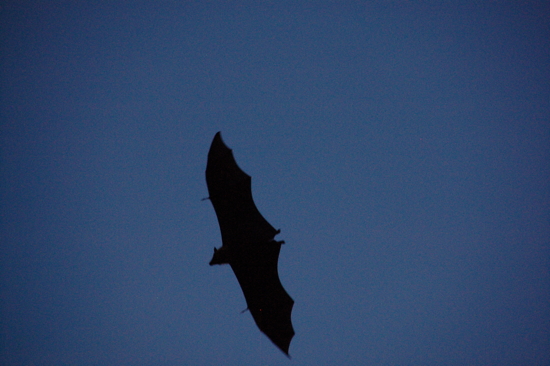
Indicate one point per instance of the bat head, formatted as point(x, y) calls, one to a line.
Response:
point(221, 256)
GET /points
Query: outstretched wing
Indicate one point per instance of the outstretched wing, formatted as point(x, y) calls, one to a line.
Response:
point(267, 300)
point(231, 195)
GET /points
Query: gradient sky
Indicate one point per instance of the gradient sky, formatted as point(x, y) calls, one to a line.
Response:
point(403, 148)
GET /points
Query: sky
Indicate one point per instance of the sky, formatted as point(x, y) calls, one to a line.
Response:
point(402, 148)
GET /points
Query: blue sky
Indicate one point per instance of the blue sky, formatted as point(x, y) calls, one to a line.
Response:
point(402, 148)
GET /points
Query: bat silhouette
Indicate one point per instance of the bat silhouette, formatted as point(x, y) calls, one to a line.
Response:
point(248, 245)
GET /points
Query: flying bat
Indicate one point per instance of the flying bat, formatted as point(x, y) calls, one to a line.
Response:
point(248, 245)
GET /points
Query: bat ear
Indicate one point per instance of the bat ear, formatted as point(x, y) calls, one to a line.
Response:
point(215, 250)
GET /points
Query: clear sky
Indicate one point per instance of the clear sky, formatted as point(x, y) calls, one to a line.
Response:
point(403, 149)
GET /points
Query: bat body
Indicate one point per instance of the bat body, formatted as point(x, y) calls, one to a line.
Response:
point(248, 245)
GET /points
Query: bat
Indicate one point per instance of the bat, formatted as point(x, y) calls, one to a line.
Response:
point(248, 245)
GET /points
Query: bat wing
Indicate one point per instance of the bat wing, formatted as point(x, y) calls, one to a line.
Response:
point(231, 195)
point(248, 245)
point(267, 300)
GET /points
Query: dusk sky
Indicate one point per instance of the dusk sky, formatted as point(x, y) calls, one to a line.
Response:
point(402, 147)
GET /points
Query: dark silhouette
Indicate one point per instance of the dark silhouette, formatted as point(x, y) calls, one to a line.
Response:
point(248, 245)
